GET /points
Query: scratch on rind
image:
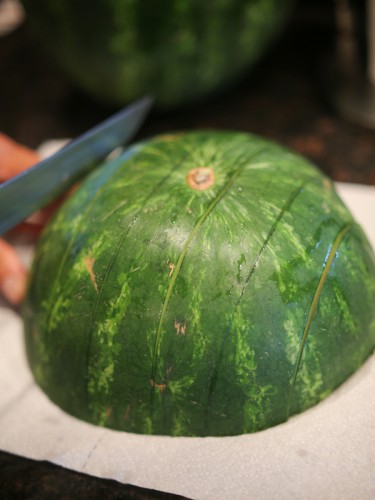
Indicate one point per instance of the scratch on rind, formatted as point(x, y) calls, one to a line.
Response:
point(330, 257)
point(161, 387)
point(89, 264)
point(179, 327)
point(171, 267)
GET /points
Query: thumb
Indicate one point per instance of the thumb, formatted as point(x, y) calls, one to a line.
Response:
point(14, 157)
point(12, 274)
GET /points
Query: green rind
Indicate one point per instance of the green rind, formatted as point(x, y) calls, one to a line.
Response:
point(176, 50)
point(212, 312)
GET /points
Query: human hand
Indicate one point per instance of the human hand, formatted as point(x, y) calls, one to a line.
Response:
point(14, 158)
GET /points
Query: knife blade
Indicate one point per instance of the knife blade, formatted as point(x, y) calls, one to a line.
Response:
point(42, 183)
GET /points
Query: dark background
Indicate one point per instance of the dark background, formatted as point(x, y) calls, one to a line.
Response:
point(285, 98)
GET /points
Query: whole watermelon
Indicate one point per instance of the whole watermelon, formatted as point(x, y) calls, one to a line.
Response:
point(207, 283)
point(177, 50)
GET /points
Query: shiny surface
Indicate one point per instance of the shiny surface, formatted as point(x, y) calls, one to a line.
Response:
point(199, 312)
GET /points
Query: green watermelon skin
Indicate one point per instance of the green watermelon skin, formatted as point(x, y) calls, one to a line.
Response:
point(176, 50)
point(154, 307)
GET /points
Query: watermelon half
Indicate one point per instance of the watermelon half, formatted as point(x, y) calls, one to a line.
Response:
point(207, 283)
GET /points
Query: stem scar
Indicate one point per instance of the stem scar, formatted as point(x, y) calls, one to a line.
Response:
point(200, 178)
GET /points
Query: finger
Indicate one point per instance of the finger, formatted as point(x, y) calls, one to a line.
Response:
point(14, 158)
point(12, 274)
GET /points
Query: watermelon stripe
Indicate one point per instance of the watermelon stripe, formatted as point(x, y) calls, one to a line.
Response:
point(57, 279)
point(282, 212)
point(77, 229)
point(331, 254)
point(180, 260)
point(112, 261)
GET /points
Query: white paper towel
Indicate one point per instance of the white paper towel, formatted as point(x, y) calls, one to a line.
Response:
point(328, 452)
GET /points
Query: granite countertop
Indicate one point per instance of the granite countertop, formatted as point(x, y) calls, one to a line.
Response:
point(285, 99)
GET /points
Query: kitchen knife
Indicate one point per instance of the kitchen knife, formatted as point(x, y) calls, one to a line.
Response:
point(39, 185)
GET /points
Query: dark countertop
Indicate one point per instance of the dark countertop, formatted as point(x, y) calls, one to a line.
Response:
point(21, 478)
point(284, 99)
